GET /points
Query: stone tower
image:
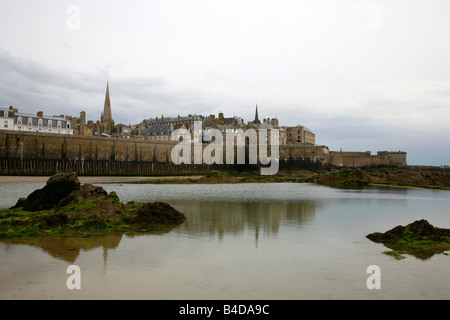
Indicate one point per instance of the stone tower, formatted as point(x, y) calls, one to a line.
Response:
point(107, 116)
point(106, 120)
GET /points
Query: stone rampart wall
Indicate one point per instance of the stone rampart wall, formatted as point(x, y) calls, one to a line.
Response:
point(25, 145)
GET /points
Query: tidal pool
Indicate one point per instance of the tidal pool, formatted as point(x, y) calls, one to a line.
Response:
point(240, 241)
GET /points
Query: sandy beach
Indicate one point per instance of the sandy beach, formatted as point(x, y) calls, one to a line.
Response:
point(43, 179)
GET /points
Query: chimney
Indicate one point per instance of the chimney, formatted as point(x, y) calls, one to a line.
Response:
point(40, 114)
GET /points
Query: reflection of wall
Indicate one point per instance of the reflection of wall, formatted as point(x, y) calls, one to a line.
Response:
point(237, 217)
point(68, 248)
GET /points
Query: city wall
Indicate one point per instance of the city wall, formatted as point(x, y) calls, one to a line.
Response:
point(41, 146)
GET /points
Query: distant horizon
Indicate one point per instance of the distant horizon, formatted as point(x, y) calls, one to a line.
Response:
point(362, 75)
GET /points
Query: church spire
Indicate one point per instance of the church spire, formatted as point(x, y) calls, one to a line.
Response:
point(107, 116)
point(256, 121)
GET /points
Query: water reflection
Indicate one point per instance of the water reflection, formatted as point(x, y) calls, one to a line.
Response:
point(235, 218)
point(422, 253)
point(69, 248)
point(203, 218)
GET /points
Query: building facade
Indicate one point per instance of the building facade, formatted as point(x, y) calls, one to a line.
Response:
point(299, 135)
point(187, 121)
point(12, 119)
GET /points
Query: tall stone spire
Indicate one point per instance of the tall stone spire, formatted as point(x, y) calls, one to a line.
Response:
point(256, 121)
point(107, 116)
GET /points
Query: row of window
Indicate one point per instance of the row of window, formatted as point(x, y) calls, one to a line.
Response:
point(6, 125)
point(40, 121)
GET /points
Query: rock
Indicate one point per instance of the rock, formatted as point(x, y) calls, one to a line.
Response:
point(66, 180)
point(67, 208)
point(56, 188)
point(91, 201)
point(412, 176)
point(419, 238)
point(156, 213)
point(418, 230)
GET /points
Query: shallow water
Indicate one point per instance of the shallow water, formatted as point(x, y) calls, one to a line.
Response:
point(240, 241)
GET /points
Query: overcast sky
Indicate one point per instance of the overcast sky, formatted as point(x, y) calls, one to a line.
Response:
point(362, 75)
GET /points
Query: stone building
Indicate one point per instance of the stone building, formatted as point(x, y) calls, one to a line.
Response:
point(187, 121)
point(160, 132)
point(102, 127)
point(299, 135)
point(123, 131)
point(268, 124)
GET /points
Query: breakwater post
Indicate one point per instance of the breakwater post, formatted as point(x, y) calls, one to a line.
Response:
point(48, 167)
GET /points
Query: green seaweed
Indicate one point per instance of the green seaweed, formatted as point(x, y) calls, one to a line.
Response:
point(419, 238)
point(394, 254)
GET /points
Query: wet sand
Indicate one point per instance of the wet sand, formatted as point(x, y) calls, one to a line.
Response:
point(43, 179)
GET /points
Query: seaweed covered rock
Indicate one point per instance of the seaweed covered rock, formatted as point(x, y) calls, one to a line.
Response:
point(56, 188)
point(91, 201)
point(64, 207)
point(345, 178)
point(419, 238)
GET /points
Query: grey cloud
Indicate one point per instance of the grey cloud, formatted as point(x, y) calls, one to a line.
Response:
point(28, 84)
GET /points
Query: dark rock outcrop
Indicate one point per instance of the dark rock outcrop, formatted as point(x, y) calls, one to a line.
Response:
point(65, 207)
point(91, 201)
point(412, 176)
point(416, 231)
point(57, 188)
point(419, 238)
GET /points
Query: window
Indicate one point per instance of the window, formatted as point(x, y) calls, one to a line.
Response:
point(30, 121)
point(5, 114)
point(49, 124)
point(68, 125)
point(6, 124)
point(40, 122)
point(19, 120)
point(58, 124)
